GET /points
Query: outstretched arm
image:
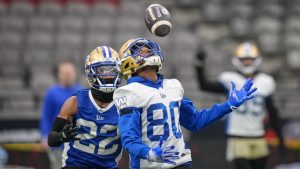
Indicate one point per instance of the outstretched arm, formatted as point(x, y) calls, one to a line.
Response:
point(193, 120)
point(204, 83)
point(63, 130)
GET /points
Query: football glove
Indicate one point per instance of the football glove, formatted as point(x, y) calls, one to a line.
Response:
point(238, 97)
point(68, 133)
point(162, 155)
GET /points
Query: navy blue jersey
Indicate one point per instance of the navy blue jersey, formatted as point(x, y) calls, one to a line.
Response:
point(100, 145)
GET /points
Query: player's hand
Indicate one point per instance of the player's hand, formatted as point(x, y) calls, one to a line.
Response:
point(68, 133)
point(158, 154)
point(238, 97)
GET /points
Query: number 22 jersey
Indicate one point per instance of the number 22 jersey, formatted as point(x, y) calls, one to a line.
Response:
point(99, 145)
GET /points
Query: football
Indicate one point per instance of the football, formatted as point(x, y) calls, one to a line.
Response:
point(158, 20)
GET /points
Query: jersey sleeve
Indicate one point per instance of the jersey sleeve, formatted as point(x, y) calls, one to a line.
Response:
point(193, 119)
point(266, 84)
point(129, 122)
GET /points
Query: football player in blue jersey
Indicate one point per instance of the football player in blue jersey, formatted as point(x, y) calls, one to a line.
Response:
point(91, 139)
point(153, 108)
point(246, 145)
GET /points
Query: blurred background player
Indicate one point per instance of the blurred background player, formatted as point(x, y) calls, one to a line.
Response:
point(54, 98)
point(153, 108)
point(246, 145)
point(94, 142)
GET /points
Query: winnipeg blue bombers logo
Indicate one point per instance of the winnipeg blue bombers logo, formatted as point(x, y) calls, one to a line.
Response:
point(121, 102)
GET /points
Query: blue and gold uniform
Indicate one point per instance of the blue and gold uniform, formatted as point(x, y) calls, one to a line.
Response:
point(100, 145)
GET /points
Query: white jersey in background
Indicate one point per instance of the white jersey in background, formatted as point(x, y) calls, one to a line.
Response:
point(247, 120)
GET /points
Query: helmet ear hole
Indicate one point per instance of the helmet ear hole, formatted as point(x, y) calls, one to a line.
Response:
point(127, 65)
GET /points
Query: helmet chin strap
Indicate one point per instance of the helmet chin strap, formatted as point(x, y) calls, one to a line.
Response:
point(102, 96)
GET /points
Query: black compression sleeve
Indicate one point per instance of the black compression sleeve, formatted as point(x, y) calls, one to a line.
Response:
point(54, 139)
point(207, 85)
point(274, 117)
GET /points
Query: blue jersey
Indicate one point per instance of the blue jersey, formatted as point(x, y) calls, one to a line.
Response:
point(100, 145)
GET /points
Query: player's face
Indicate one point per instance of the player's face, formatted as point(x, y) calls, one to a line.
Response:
point(106, 72)
point(145, 52)
point(247, 61)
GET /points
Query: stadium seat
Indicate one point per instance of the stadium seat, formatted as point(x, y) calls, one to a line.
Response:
point(77, 8)
point(94, 39)
point(12, 23)
point(293, 59)
point(13, 70)
point(132, 24)
point(40, 40)
point(71, 24)
point(185, 19)
point(40, 82)
point(16, 99)
point(132, 8)
point(241, 10)
point(240, 27)
point(11, 39)
point(10, 56)
point(100, 23)
point(3, 8)
point(22, 8)
point(270, 43)
point(213, 12)
point(210, 33)
point(42, 23)
point(49, 8)
point(38, 57)
point(291, 41)
point(74, 55)
point(68, 40)
point(11, 83)
point(265, 24)
point(185, 40)
point(292, 24)
point(271, 9)
point(102, 9)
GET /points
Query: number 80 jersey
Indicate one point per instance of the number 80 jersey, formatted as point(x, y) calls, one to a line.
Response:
point(99, 145)
point(158, 116)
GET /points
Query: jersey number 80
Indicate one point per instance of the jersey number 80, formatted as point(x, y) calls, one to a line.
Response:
point(161, 108)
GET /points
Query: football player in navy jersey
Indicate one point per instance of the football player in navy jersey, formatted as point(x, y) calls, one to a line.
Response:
point(246, 145)
point(153, 108)
point(91, 139)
